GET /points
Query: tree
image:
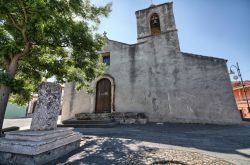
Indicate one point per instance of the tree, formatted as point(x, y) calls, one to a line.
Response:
point(44, 38)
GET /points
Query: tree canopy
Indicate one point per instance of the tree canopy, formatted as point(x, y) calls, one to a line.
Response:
point(48, 38)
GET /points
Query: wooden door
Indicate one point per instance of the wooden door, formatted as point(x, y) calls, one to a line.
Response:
point(103, 96)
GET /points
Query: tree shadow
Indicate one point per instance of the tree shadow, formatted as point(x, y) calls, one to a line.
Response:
point(114, 151)
point(115, 145)
point(215, 138)
point(96, 151)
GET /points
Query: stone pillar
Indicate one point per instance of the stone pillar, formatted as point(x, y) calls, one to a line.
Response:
point(48, 107)
point(44, 142)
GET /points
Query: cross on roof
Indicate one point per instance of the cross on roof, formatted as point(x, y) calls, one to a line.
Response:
point(105, 34)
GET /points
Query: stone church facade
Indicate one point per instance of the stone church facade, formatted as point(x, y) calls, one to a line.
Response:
point(155, 78)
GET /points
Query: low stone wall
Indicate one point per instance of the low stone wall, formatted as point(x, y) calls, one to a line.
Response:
point(121, 117)
point(130, 117)
point(93, 116)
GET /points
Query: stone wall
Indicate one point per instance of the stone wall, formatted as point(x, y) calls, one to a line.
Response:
point(166, 16)
point(164, 83)
point(75, 102)
point(156, 78)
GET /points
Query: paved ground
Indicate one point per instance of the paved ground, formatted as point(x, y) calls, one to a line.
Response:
point(23, 123)
point(188, 143)
point(162, 144)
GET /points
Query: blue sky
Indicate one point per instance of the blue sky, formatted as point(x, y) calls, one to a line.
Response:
point(219, 28)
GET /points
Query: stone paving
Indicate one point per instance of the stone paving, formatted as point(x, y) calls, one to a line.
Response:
point(117, 151)
point(163, 144)
point(23, 123)
point(176, 144)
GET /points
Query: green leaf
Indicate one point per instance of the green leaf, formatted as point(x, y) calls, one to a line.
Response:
point(63, 38)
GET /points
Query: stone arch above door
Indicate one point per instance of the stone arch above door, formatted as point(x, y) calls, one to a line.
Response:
point(95, 84)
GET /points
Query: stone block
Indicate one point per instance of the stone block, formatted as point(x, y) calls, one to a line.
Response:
point(132, 115)
point(48, 107)
point(48, 141)
point(38, 135)
point(117, 114)
point(9, 158)
point(129, 121)
point(37, 147)
point(93, 116)
point(142, 121)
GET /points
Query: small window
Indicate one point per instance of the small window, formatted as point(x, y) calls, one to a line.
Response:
point(155, 24)
point(106, 58)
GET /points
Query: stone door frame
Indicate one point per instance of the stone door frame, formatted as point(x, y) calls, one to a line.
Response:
point(111, 79)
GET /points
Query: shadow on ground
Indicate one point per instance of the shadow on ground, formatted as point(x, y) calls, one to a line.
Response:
point(103, 151)
point(116, 144)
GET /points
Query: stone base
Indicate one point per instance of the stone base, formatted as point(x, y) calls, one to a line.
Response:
point(45, 157)
point(93, 116)
point(130, 117)
point(37, 147)
point(121, 117)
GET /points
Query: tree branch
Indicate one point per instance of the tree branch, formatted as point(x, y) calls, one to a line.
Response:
point(7, 62)
point(26, 50)
point(14, 22)
point(22, 29)
point(24, 11)
point(25, 38)
point(46, 43)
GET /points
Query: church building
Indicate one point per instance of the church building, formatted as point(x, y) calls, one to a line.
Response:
point(154, 79)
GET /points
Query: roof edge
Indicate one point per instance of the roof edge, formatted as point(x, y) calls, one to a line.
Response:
point(154, 6)
point(204, 57)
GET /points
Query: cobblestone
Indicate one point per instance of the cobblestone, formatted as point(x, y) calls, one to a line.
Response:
point(116, 151)
point(159, 144)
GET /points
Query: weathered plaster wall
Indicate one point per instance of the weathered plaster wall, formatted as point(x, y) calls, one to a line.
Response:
point(167, 85)
point(74, 102)
point(205, 91)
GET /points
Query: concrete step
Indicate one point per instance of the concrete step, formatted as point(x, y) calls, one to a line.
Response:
point(88, 123)
point(93, 116)
point(75, 121)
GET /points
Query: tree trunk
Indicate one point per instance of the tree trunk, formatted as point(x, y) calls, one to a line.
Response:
point(4, 97)
point(6, 90)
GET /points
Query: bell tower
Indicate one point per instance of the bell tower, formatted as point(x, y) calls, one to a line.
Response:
point(155, 20)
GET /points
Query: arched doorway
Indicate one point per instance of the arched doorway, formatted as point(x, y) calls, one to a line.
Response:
point(103, 96)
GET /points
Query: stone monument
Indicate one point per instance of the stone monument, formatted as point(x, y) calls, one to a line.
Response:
point(44, 142)
point(48, 107)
